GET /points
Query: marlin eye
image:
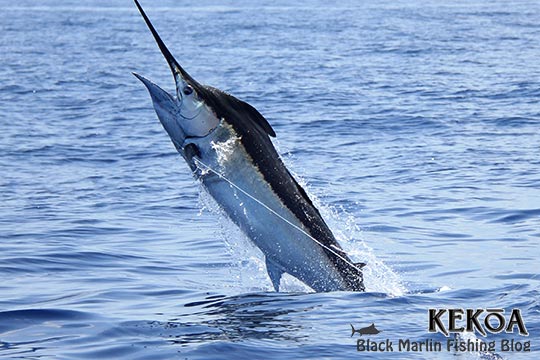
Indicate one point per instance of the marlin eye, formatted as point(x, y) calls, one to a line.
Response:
point(187, 90)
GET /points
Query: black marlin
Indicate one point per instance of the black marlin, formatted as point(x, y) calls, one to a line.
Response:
point(226, 143)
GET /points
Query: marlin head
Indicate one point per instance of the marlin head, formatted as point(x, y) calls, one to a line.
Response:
point(183, 115)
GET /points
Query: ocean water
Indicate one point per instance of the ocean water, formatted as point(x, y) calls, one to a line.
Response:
point(414, 125)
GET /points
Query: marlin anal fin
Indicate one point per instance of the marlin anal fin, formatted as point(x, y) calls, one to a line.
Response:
point(274, 273)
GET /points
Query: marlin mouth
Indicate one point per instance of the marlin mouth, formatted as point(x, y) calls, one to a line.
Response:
point(181, 115)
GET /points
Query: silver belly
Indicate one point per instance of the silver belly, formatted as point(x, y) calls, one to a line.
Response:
point(251, 204)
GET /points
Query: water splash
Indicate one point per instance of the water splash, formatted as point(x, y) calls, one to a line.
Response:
point(384, 278)
point(378, 277)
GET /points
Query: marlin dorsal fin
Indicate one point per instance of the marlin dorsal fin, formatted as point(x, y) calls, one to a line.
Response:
point(226, 105)
point(257, 117)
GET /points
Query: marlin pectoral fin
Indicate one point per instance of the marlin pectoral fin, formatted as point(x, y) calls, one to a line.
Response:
point(189, 151)
point(360, 265)
point(274, 273)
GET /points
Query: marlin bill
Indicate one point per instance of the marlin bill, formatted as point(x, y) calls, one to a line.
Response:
point(226, 143)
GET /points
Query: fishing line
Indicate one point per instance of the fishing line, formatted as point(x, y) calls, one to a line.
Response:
point(274, 212)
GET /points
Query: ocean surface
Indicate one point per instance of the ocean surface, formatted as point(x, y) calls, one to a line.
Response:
point(414, 125)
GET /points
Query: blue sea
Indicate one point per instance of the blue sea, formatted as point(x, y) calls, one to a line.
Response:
point(414, 126)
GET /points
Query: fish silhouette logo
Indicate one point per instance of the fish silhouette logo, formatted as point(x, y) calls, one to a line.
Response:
point(368, 330)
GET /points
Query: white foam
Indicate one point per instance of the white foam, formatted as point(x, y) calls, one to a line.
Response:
point(224, 149)
point(378, 277)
